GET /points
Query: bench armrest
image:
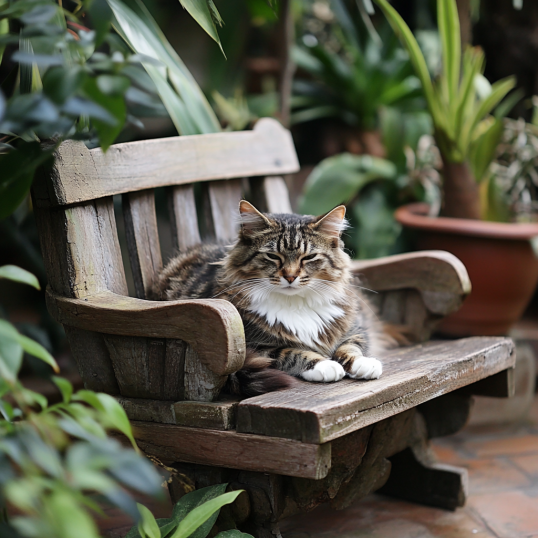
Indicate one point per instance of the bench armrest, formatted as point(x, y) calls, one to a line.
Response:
point(439, 276)
point(212, 327)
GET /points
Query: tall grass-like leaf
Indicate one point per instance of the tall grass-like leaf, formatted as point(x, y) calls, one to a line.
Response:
point(415, 54)
point(4, 29)
point(188, 108)
point(17, 274)
point(449, 30)
point(205, 14)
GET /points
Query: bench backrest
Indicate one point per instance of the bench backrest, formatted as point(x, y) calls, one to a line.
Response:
point(74, 203)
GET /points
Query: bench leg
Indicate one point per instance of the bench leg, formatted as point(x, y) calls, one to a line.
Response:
point(418, 479)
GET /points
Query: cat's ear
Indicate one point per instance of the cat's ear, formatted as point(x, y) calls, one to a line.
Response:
point(252, 221)
point(332, 223)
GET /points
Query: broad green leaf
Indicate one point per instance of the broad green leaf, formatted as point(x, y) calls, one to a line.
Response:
point(115, 105)
point(60, 83)
point(116, 416)
point(113, 84)
point(65, 388)
point(10, 352)
point(147, 525)
point(202, 513)
point(12, 272)
point(233, 534)
point(205, 14)
point(337, 180)
point(37, 350)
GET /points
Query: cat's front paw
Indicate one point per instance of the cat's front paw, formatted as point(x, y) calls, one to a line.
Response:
point(365, 368)
point(324, 372)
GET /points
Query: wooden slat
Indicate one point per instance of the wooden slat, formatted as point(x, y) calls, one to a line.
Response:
point(233, 450)
point(316, 413)
point(142, 239)
point(224, 198)
point(134, 166)
point(212, 326)
point(148, 410)
point(201, 384)
point(276, 195)
point(211, 415)
point(183, 219)
point(270, 194)
point(138, 364)
point(174, 366)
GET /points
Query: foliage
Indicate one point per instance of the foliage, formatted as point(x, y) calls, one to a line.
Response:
point(193, 516)
point(51, 456)
point(461, 99)
point(512, 187)
point(352, 72)
point(81, 83)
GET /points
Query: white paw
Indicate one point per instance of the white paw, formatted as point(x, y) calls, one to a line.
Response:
point(325, 371)
point(366, 368)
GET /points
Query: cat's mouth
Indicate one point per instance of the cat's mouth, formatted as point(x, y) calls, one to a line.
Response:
point(289, 288)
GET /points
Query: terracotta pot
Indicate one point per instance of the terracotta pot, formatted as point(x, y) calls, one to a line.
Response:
point(499, 258)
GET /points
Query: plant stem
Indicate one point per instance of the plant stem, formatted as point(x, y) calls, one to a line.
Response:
point(461, 196)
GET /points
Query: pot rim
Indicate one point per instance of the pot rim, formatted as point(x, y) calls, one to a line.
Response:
point(416, 216)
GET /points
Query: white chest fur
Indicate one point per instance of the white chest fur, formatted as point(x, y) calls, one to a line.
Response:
point(305, 314)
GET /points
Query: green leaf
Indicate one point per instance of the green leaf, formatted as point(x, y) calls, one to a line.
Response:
point(185, 102)
point(4, 29)
point(18, 168)
point(449, 30)
point(116, 416)
point(202, 513)
point(65, 388)
point(147, 525)
point(205, 14)
point(483, 149)
point(337, 180)
point(60, 83)
point(233, 534)
point(113, 84)
point(37, 350)
point(11, 352)
point(12, 272)
point(115, 105)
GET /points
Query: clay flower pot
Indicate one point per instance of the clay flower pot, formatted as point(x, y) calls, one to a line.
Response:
point(499, 258)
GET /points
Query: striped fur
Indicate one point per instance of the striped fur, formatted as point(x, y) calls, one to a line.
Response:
point(290, 280)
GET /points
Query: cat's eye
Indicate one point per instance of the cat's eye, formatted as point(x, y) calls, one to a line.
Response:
point(274, 257)
point(309, 257)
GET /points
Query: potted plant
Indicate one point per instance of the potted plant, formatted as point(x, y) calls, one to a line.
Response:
point(498, 255)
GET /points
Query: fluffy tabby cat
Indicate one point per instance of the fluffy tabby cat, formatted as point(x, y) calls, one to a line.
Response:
point(290, 280)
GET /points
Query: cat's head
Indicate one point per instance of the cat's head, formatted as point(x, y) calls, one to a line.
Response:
point(289, 253)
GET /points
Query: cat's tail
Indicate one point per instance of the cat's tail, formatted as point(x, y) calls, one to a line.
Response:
point(257, 377)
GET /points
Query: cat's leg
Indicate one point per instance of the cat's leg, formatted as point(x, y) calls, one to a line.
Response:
point(350, 355)
point(308, 365)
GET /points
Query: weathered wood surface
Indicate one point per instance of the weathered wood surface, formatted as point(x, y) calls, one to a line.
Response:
point(212, 415)
point(201, 384)
point(174, 368)
point(234, 450)
point(183, 218)
point(316, 413)
point(212, 326)
point(138, 364)
point(439, 276)
point(224, 198)
point(270, 194)
point(82, 175)
point(142, 239)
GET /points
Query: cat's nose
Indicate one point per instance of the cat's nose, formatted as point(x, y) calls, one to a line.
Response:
point(290, 278)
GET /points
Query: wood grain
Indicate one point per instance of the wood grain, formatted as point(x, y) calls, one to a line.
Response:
point(233, 450)
point(174, 368)
point(183, 218)
point(276, 195)
point(316, 413)
point(200, 383)
point(134, 166)
point(142, 239)
point(212, 326)
point(148, 410)
point(224, 198)
point(439, 276)
point(211, 415)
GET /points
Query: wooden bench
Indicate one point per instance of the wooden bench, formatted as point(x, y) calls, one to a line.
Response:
point(167, 361)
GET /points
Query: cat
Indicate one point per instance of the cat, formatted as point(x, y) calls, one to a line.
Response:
point(289, 277)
